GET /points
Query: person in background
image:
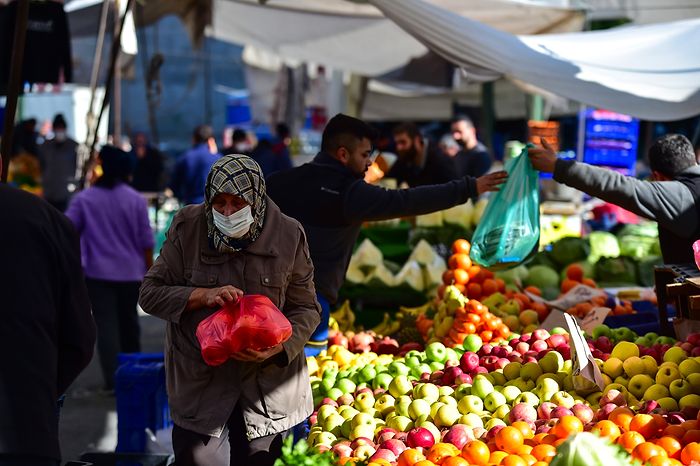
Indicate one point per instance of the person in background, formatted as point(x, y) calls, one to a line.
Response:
point(47, 333)
point(236, 242)
point(448, 145)
point(671, 199)
point(240, 144)
point(420, 162)
point(117, 249)
point(191, 169)
point(331, 199)
point(280, 147)
point(147, 173)
point(25, 140)
point(58, 158)
point(473, 159)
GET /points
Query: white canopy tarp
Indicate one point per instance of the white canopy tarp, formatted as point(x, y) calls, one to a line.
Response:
point(357, 38)
point(651, 72)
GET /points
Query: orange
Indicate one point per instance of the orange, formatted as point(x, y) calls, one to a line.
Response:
point(671, 445)
point(489, 287)
point(607, 429)
point(509, 439)
point(646, 425)
point(549, 439)
point(630, 439)
point(589, 282)
point(474, 290)
point(659, 460)
point(460, 276)
point(409, 457)
point(544, 452)
point(424, 463)
point(567, 425)
point(497, 456)
point(540, 463)
point(646, 450)
point(690, 425)
point(501, 284)
point(379, 462)
point(537, 439)
point(459, 261)
point(473, 271)
point(574, 272)
point(690, 452)
point(461, 246)
point(513, 460)
point(448, 277)
point(622, 417)
point(567, 285)
point(523, 450)
point(476, 452)
point(529, 459)
point(674, 431)
point(455, 461)
point(440, 451)
point(524, 429)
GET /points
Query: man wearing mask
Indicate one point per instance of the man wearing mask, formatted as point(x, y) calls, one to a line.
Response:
point(331, 200)
point(58, 158)
point(420, 162)
point(474, 158)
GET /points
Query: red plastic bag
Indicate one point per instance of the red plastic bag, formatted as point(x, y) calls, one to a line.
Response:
point(251, 322)
point(696, 253)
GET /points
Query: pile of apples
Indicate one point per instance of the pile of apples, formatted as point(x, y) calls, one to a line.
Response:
point(518, 311)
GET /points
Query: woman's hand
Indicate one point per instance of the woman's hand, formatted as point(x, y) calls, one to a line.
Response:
point(249, 355)
point(213, 297)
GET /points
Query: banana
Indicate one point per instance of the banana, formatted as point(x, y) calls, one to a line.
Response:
point(381, 327)
point(392, 328)
point(415, 310)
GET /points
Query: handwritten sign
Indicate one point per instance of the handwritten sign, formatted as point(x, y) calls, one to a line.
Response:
point(576, 295)
point(584, 367)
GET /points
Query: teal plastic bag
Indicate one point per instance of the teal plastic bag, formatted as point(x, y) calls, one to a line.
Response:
point(509, 231)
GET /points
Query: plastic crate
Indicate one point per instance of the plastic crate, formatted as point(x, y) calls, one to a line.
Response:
point(142, 401)
point(645, 320)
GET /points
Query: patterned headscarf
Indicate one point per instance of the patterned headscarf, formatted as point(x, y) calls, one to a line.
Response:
point(241, 176)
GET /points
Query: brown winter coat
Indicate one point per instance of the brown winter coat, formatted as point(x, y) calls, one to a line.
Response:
point(274, 395)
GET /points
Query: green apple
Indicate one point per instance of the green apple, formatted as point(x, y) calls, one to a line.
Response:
point(552, 362)
point(694, 380)
point(613, 367)
point(446, 390)
point(481, 386)
point(680, 388)
point(427, 391)
point(643, 341)
point(420, 369)
point(362, 419)
point(568, 366)
point(675, 354)
point(324, 438)
point(447, 416)
point(493, 422)
point(398, 368)
point(448, 400)
point(498, 378)
point(417, 408)
point(333, 424)
point(639, 384)
point(562, 398)
point(656, 392)
point(472, 343)
point(527, 397)
point(324, 411)
point(436, 366)
point(650, 365)
point(366, 430)
point(346, 428)
point(546, 388)
point(412, 361)
point(606, 379)
point(367, 373)
point(512, 370)
point(346, 385)
point(633, 366)
point(327, 383)
point(624, 350)
point(530, 371)
point(470, 404)
point(689, 366)
point(364, 401)
point(436, 352)
point(401, 405)
point(668, 403)
point(400, 385)
point(462, 390)
point(348, 412)
point(622, 380)
point(594, 399)
point(452, 355)
point(472, 420)
point(385, 404)
point(493, 400)
point(334, 393)
point(400, 423)
point(600, 331)
point(382, 380)
point(434, 409)
point(667, 373)
point(691, 400)
point(502, 412)
point(511, 393)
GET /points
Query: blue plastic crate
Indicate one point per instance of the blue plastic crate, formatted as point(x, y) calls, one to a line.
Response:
point(645, 320)
point(142, 401)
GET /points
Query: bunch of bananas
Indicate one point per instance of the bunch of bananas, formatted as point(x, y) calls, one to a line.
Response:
point(342, 319)
point(387, 326)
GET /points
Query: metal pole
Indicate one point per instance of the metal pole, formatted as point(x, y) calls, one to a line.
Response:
point(487, 113)
point(96, 67)
point(117, 97)
point(14, 85)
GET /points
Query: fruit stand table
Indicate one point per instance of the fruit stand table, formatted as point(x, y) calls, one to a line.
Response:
point(680, 285)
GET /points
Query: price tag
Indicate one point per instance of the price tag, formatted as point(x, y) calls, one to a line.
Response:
point(584, 364)
point(594, 318)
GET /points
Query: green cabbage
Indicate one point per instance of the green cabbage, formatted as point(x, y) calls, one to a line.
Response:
point(603, 244)
point(621, 269)
point(587, 449)
point(570, 249)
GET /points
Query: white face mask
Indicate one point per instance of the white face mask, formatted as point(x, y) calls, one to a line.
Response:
point(235, 225)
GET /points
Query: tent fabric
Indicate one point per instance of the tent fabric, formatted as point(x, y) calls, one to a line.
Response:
point(356, 37)
point(651, 72)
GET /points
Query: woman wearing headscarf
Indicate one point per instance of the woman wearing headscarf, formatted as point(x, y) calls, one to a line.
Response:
point(237, 242)
point(116, 243)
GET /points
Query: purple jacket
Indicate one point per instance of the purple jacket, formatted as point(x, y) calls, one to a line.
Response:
point(114, 232)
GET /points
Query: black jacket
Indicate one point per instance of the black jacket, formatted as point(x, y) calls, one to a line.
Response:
point(438, 168)
point(474, 162)
point(46, 328)
point(331, 203)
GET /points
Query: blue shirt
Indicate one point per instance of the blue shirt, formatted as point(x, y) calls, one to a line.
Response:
point(190, 175)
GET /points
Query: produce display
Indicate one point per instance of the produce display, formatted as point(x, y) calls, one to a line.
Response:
point(472, 378)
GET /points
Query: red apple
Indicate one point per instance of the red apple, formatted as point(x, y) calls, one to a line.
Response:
point(420, 437)
point(459, 435)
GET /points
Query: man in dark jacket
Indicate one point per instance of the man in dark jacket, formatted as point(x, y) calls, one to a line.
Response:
point(671, 199)
point(47, 332)
point(420, 162)
point(331, 200)
point(474, 158)
point(147, 165)
point(191, 170)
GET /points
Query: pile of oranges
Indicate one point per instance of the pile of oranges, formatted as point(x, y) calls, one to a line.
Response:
point(470, 279)
point(574, 277)
point(475, 319)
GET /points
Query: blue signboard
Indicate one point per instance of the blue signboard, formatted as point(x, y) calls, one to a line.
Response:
point(608, 139)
